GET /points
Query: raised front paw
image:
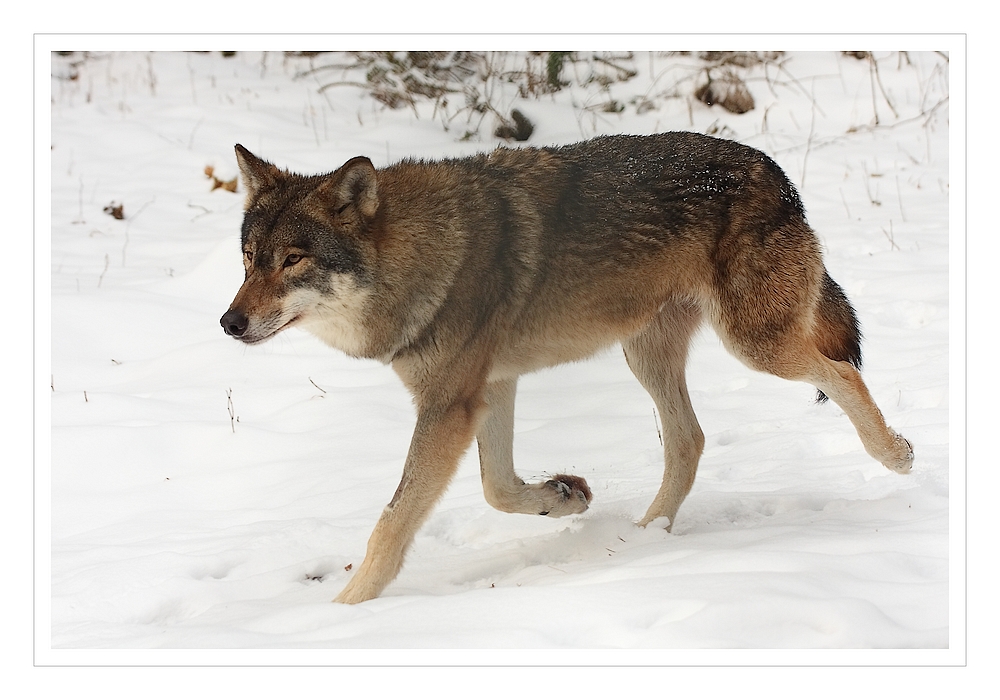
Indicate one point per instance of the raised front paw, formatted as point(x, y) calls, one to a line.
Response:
point(566, 495)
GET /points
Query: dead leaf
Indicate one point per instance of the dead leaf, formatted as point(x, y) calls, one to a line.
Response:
point(115, 210)
point(227, 185)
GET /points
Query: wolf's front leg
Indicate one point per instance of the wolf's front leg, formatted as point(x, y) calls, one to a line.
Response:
point(504, 490)
point(440, 438)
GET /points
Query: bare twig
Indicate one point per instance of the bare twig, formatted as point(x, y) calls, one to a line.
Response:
point(878, 79)
point(232, 413)
point(809, 140)
point(195, 129)
point(79, 219)
point(844, 200)
point(868, 188)
point(870, 128)
point(330, 66)
point(889, 235)
point(899, 198)
point(795, 81)
point(101, 278)
point(204, 210)
point(342, 83)
point(871, 81)
point(129, 224)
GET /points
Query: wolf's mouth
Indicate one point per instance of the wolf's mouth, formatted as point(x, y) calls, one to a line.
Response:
point(257, 340)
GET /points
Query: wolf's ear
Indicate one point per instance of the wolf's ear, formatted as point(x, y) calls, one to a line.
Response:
point(353, 184)
point(257, 174)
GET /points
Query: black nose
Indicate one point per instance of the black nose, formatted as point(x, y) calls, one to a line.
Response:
point(234, 323)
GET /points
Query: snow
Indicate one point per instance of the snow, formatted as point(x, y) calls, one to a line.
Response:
point(206, 495)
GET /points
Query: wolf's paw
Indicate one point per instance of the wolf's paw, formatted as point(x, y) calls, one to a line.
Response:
point(572, 495)
point(354, 594)
point(902, 460)
point(364, 585)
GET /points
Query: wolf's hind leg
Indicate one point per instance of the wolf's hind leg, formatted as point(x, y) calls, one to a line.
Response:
point(800, 360)
point(657, 357)
point(842, 383)
point(808, 334)
point(504, 490)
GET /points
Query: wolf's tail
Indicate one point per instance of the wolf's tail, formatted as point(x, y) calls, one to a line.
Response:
point(837, 332)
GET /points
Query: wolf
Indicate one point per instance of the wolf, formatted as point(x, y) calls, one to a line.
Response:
point(465, 274)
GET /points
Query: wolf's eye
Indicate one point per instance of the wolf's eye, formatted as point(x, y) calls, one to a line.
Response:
point(248, 255)
point(292, 260)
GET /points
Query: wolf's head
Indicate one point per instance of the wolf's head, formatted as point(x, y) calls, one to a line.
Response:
point(306, 251)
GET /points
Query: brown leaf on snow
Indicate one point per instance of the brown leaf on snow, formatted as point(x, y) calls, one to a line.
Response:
point(227, 185)
point(116, 210)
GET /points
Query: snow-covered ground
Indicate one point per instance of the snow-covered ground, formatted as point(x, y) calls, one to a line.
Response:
point(206, 495)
